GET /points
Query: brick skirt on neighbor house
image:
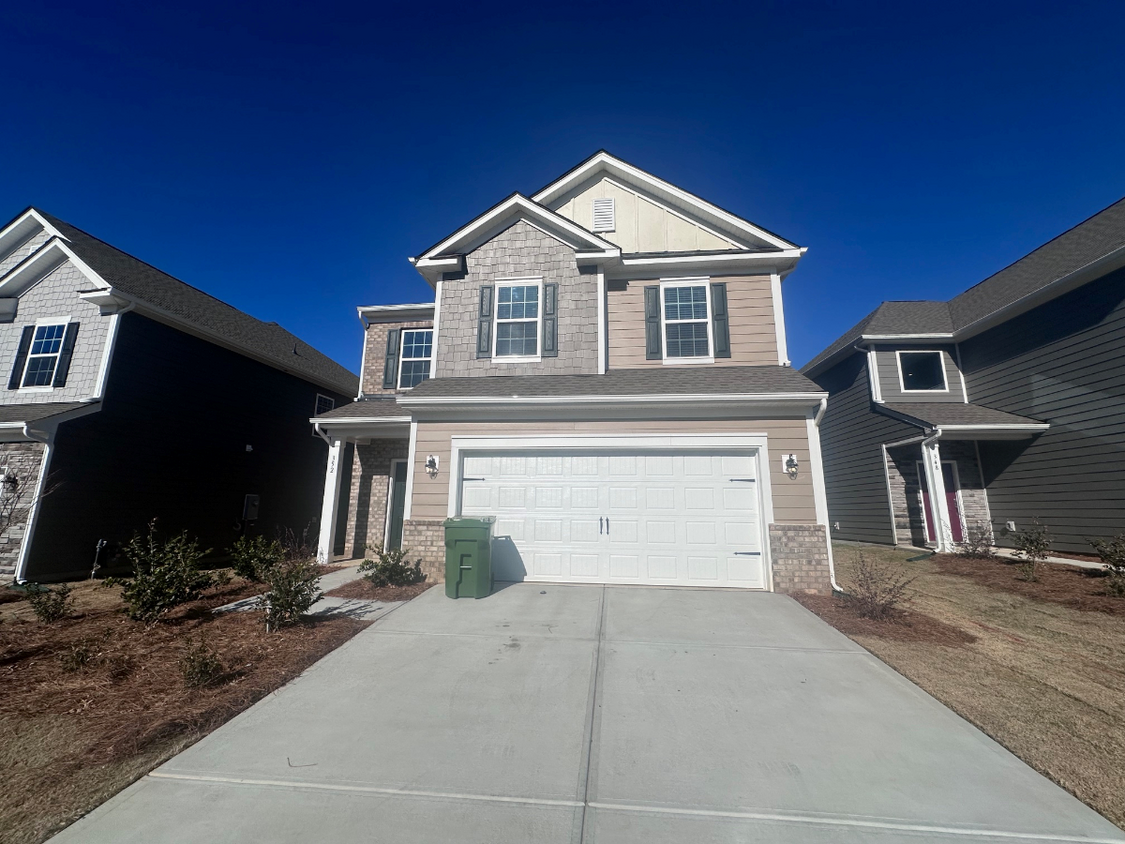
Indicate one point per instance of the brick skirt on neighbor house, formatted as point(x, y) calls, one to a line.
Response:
point(800, 554)
point(23, 460)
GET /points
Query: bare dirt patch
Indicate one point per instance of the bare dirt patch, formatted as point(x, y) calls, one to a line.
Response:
point(90, 703)
point(1070, 586)
point(904, 626)
point(363, 590)
point(1045, 679)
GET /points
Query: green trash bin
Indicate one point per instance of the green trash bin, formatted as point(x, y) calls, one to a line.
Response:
point(468, 557)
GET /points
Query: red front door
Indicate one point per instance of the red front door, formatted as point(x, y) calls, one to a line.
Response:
point(949, 479)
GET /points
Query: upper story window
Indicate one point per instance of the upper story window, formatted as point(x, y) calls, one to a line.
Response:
point(687, 320)
point(517, 319)
point(324, 404)
point(43, 356)
point(417, 351)
point(921, 372)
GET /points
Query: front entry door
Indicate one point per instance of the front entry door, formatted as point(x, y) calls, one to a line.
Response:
point(397, 505)
point(953, 501)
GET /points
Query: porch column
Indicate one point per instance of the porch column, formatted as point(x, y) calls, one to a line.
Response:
point(331, 502)
point(935, 486)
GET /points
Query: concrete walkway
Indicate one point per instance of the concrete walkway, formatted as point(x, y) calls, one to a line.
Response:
point(588, 714)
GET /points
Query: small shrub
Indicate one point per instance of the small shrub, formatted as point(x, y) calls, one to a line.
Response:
point(294, 586)
point(878, 590)
point(1112, 554)
point(78, 656)
point(251, 556)
point(1033, 546)
point(48, 604)
point(392, 569)
point(221, 577)
point(978, 544)
point(200, 666)
point(165, 574)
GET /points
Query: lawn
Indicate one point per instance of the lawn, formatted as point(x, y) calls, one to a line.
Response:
point(1040, 667)
point(92, 702)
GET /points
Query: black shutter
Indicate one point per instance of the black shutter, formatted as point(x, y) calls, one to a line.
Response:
point(484, 322)
point(720, 325)
point(65, 354)
point(21, 357)
point(654, 345)
point(550, 320)
point(390, 362)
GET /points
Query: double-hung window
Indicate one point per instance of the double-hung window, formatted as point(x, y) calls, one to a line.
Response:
point(417, 350)
point(518, 313)
point(686, 312)
point(43, 357)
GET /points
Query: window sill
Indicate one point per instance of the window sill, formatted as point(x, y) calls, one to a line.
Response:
point(35, 389)
point(923, 392)
point(687, 361)
point(517, 359)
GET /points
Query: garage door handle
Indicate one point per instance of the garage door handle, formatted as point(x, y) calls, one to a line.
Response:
point(742, 480)
point(600, 525)
point(607, 525)
point(747, 553)
point(474, 479)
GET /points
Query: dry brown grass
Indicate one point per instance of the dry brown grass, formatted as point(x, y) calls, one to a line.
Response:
point(1045, 680)
point(71, 737)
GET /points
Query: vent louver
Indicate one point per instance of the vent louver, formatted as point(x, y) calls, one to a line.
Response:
point(604, 215)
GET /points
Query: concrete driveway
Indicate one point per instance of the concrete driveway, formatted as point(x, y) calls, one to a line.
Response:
point(581, 713)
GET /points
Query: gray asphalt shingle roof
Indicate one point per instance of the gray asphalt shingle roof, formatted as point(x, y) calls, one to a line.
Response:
point(37, 411)
point(938, 414)
point(658, 380)
point(1095, 238)
point(383, 406)
point(266, 340)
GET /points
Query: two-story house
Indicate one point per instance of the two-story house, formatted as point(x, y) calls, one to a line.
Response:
point(604, 370)
point(986, 412)
point(131, 395)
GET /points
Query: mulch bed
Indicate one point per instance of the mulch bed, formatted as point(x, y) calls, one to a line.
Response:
point(904, 626)
point(113, 690)
point(363, 590)
point(1069, 586)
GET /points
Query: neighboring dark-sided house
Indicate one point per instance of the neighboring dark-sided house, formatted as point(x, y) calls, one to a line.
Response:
point(1003, 405)
point(131, 395)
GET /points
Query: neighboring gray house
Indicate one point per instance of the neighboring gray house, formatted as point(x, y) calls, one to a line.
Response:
point(1003, 405)
point(131, 395)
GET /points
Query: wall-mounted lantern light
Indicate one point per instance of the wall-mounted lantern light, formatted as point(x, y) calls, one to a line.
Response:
point(432, 465)
point(791, 467)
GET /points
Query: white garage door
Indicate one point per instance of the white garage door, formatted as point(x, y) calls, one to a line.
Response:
point(671, 518)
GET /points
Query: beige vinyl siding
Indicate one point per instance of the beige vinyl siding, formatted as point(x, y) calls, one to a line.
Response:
point(643, 224)
point(753, 338)
point(792, 499)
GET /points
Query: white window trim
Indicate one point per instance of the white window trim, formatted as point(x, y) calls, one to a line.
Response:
point(519, 281)
point(941, 358)
point(705, 283)
point(402, 355)
point(41, 323)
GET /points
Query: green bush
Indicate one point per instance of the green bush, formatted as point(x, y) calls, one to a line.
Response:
point(252, 556)
point(1112, 553)
point(1033, 546)
point(78, 655)
point(392, 569)
point(294, 585)
point(165, 574)
point(200, 666)
point(49, 604)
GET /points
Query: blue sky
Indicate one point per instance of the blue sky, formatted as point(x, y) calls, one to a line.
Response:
point(288, 159)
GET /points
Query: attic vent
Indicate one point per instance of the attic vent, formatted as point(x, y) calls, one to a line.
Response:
point(604, 215)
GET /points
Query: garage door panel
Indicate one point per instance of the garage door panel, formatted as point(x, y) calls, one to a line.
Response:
point(663, 518)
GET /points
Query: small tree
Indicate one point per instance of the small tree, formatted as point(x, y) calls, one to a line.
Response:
point(391, 569)
point(252, 556)
point(165, 574)
point(294, 584)
point(878, 590)
point(1112, 553)
point(979, 543)
point(48, 604)
point(1033, 546)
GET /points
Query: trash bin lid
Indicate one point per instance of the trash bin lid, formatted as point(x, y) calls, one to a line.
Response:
point(469, 521)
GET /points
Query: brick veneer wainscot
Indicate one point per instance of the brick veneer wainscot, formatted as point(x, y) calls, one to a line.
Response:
point(367, 504)
point(424, 539)
point(24, 460)
point(800, 559)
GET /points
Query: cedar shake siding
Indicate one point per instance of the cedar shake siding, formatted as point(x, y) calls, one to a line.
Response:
point(753, 339)
point(170, 443)
point(1063, 363)
point(851, 435)
point(519, 250)
point(892, 392)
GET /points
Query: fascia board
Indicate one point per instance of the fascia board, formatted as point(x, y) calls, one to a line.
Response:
point(905, 338)
point(395, 313)
point(615, 166)
point(779, 257)
point(1002, 426)
point(636, 400)
point(360, 420)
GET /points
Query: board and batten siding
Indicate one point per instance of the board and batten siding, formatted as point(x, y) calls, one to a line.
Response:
point(1062, 363)
point(792, 499)
point(887, 360)
point(753, 338)
point(851, 435)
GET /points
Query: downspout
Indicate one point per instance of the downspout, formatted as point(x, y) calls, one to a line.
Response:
point(827, 528)
point(33, 510)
